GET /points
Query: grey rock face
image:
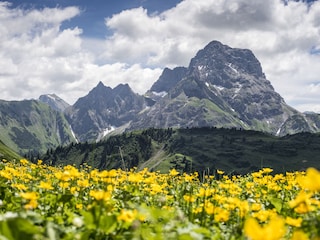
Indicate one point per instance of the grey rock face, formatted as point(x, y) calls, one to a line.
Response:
point(54, 102)
point(103, 108)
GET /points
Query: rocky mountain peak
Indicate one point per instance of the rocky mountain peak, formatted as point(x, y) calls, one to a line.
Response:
point(123, 90)
point(54, 102)
point(104, 108)
point(168, 79)
point(222, 86)
point(218, 57)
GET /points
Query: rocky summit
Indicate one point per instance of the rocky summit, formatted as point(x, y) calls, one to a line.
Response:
point(222, 87)
point(103, 110)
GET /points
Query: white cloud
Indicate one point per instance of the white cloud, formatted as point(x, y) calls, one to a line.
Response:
point(37, 56)
point(281, 36)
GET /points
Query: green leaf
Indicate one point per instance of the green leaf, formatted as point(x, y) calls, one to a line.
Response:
point(108, 223)
point(5, 230)
point(88, 220)
point(276, 202)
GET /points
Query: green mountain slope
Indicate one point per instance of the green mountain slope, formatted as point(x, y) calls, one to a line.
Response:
point(195, 149)
point(32, 126)
point(7, 153)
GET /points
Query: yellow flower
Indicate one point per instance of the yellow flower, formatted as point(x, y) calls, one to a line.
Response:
point(274, 230)
point(173, 172)
point(302, 202)
point(100, 195)
point(256, 207)
point(45, 185)
point(312, 180)
point(24, 161)
point(127, 215)
point(79, 206)
point(294, 222)
point(19, 186)
point(64, 184)
point(29, 195)
point(299, 235)
point(83, 183)
point(220, 172)
point(135, 177)
point(221, 215)
point(189, 198)
point(267, 170)
point(32, 197)
point(31, 205)
point(209, 208)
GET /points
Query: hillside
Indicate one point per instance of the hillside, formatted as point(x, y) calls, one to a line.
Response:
point(195, 149)
point(7, 153)
point(31, 126)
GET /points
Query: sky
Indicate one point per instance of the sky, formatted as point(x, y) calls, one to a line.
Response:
point(67, 46)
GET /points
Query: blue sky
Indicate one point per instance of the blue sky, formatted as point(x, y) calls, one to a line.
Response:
point(67, 46)
point(93, 12)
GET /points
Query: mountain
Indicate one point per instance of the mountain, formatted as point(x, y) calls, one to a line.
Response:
point(195, 149)
point(31, 126)
point(167, 80)
point(103, 110)
point(222, 87)
point(54, 102)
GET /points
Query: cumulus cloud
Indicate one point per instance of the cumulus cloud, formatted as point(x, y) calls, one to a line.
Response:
point(36, 55)
point(280, 35)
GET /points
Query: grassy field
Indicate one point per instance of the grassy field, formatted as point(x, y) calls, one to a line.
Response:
point(44, 202)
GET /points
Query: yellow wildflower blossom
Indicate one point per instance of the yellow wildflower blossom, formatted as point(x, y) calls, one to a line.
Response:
point(294, 222)
point(173, 172)
point(189, 198)
point(274, 230)
point(299, 235)
point(24, 161)
point(312, 180)
point(45, 185)
point(100, 195)
point(127, 215)
point(220, 172)
point(19, 186)
point(29, 195)
point(221, 215)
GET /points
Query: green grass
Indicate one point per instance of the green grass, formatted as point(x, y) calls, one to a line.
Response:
point(7, 153)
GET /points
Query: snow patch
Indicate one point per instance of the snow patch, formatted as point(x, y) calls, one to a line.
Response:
point(207, 84)
point(200, 67)
point(160, 94)
point(219, 87)
point(105, 132)
point(232, 68)
point(73, 134)
point(108, 130)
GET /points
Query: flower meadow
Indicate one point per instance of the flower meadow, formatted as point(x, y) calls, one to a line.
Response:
point(43, 202)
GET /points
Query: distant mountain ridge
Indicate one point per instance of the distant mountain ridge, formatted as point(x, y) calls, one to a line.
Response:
point(221, 87)
point(32, 126)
